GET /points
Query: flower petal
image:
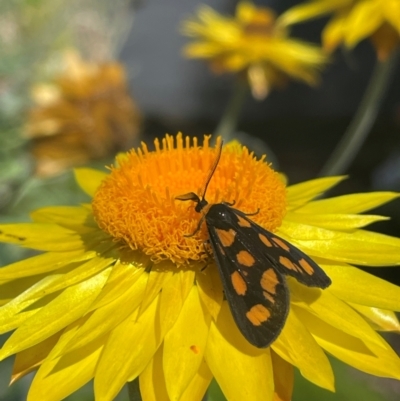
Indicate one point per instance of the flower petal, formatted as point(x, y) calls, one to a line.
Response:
point(246, 364)
point(334, 31)
point(354, 285)
point(89, 179)
point(333, 311)
point(365, 356)
point(122, 277)
point(365, 18)
point(83, 272)
point(297, 346)
point(157, 278)
point(44, 237)
point(199, 384)
point(184, 347)
point(10, 313)
point(172, 298)
point(31, 358)
point(44, 263)
point(129, 348)
point(358, 247)
point(59, 377)
point(57, 314)
point(80, 219)
point(338, 222)
point(354, 203)
point(152, 381)
point(391, 11)
point(300, 194)
point(210, 290)
point(106, 318)
point(307, 11)
point(381, 319)
point(283, 378)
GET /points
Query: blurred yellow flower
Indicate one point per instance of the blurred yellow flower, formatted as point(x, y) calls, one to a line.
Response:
point(255, 43)
point(353, 21)
point(85, 114)
point(132, 299)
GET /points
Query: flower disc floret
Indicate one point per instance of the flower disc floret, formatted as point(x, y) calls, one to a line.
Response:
point(136, 203)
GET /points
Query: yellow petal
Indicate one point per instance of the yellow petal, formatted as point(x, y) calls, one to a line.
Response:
point(89, 179)
point(184, 347)
point(57, 314)
point(365, 18)
point(391, 11)
point(354, 203)
point(246, 364)
point(367, 357)
point(122, 277)
point(59, 377)
point(333, 311)
point(152, 381)
point(157, 278)
point(77, 218)
point(339, 222)
point(283, 378)
point(380, 319)
point(173, 296)
point(44, 263)
point(80, 273)
point(44, 237)
point(296, 346)
point(129, 348)
point(359, 247)
point(334, 31)
point(199, 384)
point(300, 194)
point(31, 358)
point(105, 319)
point(10, 314)
point(310, 10)
point(210, 290)
point(354, 285)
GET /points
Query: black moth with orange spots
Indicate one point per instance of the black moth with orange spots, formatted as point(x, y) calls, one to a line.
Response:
point(252, 263)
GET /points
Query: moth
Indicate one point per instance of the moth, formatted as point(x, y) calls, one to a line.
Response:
point(253, 263)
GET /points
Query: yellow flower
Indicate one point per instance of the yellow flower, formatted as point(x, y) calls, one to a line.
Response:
point(85, 114)
point(253, 42)
point(353, 21)
point(120, 292)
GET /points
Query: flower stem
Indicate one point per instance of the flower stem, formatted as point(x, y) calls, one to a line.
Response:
point(134, 391)
point(365, 116)
point(229, 119)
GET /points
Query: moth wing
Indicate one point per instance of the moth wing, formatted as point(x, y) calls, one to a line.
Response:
point(286, 258)
point(257, 294)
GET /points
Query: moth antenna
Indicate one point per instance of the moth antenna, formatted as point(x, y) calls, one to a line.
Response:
point(219, 151)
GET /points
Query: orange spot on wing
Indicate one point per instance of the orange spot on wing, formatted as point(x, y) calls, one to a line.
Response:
point(227, 237)
point(269, 297)
point(306, 266)
point(245, 258)
point(243, 222)
point(280, 243)
point(287, 263)
point(238, 283)
point(269, 281)
point(265, 240)
point(221, 249)
point(258, 314)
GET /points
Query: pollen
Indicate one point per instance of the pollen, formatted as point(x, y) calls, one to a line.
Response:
point(135, 204)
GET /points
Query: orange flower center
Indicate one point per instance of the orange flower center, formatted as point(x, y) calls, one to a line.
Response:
point(136, 203)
